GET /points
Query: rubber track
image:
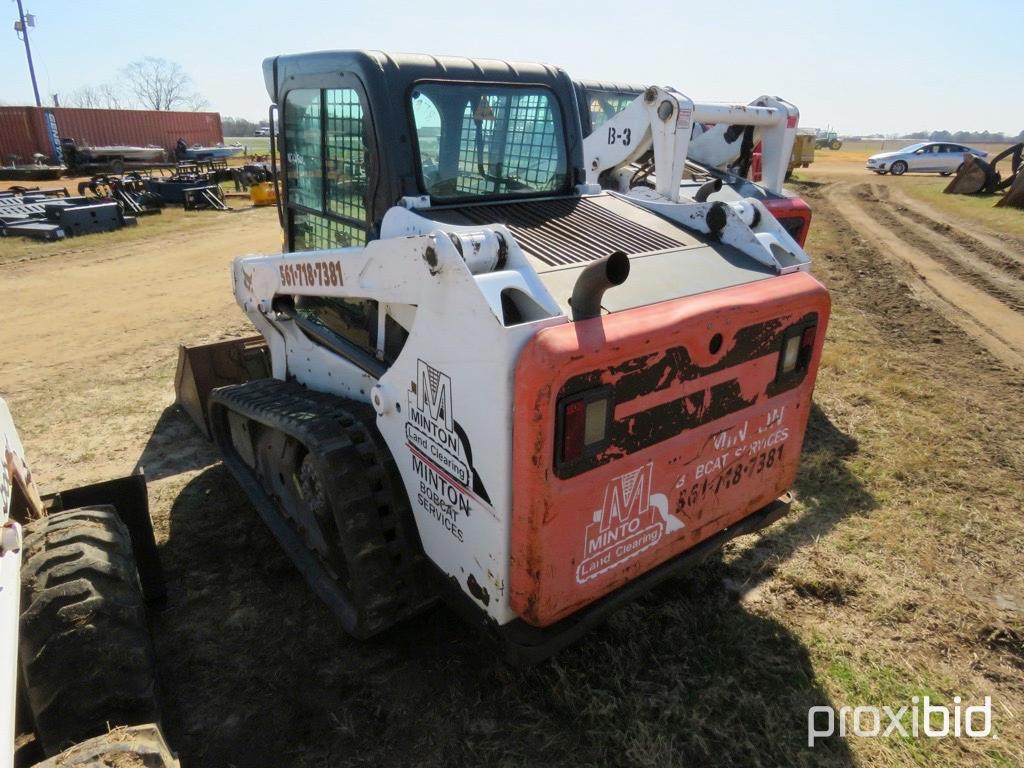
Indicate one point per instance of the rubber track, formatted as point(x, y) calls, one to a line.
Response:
point(383, 554)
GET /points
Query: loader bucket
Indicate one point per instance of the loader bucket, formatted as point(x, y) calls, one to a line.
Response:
point(205, 367)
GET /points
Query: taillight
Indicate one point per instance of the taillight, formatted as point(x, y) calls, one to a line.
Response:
point(793, 214)
point(583, 421)
point(807, 341)
point(797, 348)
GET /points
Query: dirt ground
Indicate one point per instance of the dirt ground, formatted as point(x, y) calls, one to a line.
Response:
point(897, 575)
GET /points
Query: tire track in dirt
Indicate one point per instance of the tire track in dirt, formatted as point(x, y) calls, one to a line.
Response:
point(996, 326)
point(981, 273)
point(1000, 250)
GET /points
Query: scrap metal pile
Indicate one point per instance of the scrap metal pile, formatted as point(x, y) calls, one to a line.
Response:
point(193, 185)
point(977, 177)
point(54, 215)
point(128, 191)
point(190, 187)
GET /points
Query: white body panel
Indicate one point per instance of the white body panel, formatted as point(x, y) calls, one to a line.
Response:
point(469, 378)
point(10, 588)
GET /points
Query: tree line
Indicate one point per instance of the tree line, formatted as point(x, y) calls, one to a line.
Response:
point(239, 126)
point(963, 137)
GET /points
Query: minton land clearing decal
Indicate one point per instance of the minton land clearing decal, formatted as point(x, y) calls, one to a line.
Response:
point(442, 457)
point(631, 520)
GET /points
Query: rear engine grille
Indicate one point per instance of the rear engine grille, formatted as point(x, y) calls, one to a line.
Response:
point(564, 231)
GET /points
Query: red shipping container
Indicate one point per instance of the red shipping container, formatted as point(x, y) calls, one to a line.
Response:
point(23, 129)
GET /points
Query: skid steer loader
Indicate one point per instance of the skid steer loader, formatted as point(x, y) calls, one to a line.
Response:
point(493, 381)
point(76, 665)
point(724, 155)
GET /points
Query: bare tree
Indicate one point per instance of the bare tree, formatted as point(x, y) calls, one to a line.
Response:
point(197, 102)
point(160, 84)
point(111, 96)
point(103, 96)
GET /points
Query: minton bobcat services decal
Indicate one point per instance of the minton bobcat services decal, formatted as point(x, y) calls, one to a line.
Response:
point(442, 458)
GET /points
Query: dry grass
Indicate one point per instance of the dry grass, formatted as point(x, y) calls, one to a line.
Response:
point(925, 187)
point(898, 574)
point(976, 208)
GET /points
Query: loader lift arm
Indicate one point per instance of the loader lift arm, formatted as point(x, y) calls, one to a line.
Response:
point(661, 121)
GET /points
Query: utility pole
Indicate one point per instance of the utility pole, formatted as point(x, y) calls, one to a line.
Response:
point(23, 28)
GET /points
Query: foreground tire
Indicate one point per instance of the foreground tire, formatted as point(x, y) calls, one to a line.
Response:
point(84, 649)
point(898, 168)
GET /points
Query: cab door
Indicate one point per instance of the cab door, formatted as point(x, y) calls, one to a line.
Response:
point(327, 141)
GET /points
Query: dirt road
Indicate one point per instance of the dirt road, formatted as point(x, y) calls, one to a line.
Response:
point(973, 277)
point(91, 340)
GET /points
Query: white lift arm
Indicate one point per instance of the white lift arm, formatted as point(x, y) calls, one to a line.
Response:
point(662, 119)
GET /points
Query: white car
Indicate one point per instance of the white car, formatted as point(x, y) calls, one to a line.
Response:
point(925, 157)
point(261, 132)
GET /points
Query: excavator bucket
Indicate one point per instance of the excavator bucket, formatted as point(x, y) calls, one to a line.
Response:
point(1014, 196)
point(205, 367)
point(973, 176)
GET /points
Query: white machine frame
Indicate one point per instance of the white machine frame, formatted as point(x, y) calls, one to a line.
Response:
point(10, 585)
point(663, 119)
point(426, 275)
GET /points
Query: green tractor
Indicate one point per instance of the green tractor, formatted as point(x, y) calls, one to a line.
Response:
point(828, 139)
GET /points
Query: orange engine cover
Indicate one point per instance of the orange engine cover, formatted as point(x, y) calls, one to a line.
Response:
point(703, 431)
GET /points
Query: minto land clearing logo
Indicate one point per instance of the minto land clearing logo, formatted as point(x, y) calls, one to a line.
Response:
point(630, 521)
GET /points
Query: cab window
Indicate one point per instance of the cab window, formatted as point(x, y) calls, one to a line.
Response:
point(486, 140)
point(604, 105)
point(326, 152)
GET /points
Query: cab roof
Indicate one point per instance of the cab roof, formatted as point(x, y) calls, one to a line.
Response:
point(401, 70)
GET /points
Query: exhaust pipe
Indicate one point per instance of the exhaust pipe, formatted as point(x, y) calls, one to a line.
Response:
point(594, 281)
point(706, 189)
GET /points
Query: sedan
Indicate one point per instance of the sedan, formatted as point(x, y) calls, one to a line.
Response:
point(926, 157)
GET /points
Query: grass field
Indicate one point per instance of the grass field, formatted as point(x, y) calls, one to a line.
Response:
point(254, 145)
point(849, 163)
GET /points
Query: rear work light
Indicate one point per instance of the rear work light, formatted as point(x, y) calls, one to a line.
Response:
point(583, 424)
point(797, 348)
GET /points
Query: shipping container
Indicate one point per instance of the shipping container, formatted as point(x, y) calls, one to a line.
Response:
point(24, 131)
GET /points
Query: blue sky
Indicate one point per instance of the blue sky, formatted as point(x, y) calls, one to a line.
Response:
point(862, 67)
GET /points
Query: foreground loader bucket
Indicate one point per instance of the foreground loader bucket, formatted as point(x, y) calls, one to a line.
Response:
point(205, 367)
